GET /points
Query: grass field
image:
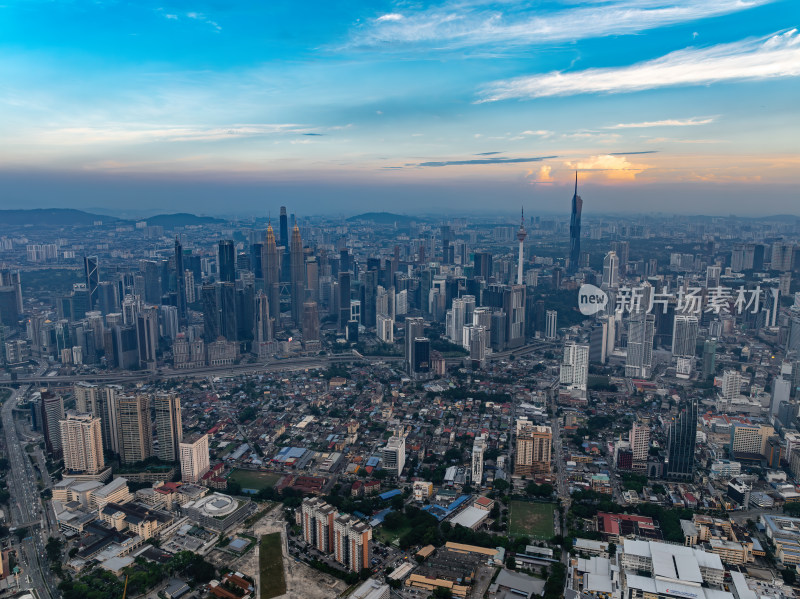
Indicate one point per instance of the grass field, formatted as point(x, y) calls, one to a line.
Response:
point(531, 519)
point(389, 536)
point(270, 563)
point(252, 479)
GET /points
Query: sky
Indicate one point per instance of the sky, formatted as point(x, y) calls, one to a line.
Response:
point(337, 107)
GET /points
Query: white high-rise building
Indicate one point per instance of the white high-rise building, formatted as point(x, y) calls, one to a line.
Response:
point(640, 345)
point(456, 318)
point(731, 384)
point(611, 270)
point(82, 441)
point(385, 328)
point(551, 324)
point(478, 450)
point(611, 334)
point(394, 454)
point(194, 459)
point(575, 366)
point(684, 336)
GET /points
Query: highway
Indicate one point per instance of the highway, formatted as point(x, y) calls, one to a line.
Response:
point(26, 506)
point(278, 365)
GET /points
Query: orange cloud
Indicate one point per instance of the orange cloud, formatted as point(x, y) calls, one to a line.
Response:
point(540, 176)
point(616, 168)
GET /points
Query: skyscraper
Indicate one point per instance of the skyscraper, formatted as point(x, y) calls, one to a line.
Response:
point(227, 310)
point(262, 326)
point(421, 366)
point(641, 331)
point(639, 438)
point(344, 299)
point(107, 411)
point(574, 372)
point(681, 443)
point(611, 270)
point(551, 325)
point(86, 395)
point(169, 426)
point(298, 275)
point(709, 357)
point(180, 281)
point(226, 261)
point(147, 336)
point(52, 414)
point(575, 229)
point(211, 323)
point(514, 307)
point(92, 278)
point(194, 458)
point(394, 455)
point(284, 243)
point(684, 336)
point(310, 321)
point(82, 440)
point(533, 448)
point(414, 329)
point(272, 275)
point(478, 451)
point(133, 424)
point(521, 237)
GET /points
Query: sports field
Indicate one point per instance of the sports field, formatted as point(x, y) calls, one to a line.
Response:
point(534, 520)
point(253, 479)
point(270, 557)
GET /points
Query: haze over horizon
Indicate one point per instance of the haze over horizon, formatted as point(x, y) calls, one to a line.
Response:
point(671, 106)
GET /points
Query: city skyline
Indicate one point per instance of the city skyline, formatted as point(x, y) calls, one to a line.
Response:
point(669, 104)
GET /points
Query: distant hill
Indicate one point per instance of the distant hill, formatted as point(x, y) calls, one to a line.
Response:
point(181, 219)
point(52, 217)
point(383, 218)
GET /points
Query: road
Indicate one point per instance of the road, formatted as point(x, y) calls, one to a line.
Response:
point(562, 487)
point(26, 506)
point(291, 363)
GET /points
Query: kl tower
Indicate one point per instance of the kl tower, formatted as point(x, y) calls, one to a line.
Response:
point(521, 234)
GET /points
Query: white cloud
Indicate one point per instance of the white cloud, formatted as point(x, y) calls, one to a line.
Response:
point(198, 16)
point(763, 58)
point(691, 122)
point(143, 133)
point(459, 24)
point(393, 16)
point(539, 132)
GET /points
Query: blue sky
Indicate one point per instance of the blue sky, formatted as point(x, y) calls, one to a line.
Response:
point(684, 105)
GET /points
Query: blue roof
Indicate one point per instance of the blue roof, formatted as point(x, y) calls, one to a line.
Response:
point(457, 503)
point(378, 518)
point(287, 453)
point(373, 461)
point(390, 494)
point(442, 512)
point(439, 512)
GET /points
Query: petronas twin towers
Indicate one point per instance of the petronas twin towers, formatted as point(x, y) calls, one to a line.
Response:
point(271, 263)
